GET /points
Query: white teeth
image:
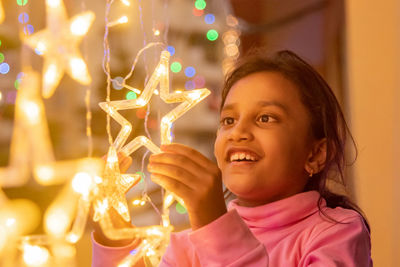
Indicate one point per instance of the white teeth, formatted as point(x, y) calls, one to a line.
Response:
point(241, 156)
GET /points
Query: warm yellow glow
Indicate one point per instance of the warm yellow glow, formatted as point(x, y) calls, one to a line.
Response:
point(44, 174)
point(50, 76)
point(126, 2)
point(158, 239)
point(82, 183)
point(3, 237)
point(57, 221)
point(32, 111)
point(59, 45)
point(72, 238)
point(81, 24)
point(123, 19)
point(156, 92)
point(156, 32)
point(10, 222)
point(41, 47)
point(111, 192)
point(1, 19)
point(53, 3)
point(35, 255)
point(78, 70)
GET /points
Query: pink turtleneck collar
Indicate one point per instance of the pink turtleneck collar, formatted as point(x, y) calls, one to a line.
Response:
point(280, 213)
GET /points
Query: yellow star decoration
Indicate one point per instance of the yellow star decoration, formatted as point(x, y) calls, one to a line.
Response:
point(188, 99)
point(59, 46)
point(112, 187)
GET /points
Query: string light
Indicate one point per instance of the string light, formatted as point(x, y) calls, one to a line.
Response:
point(200, 4)
point(126, 2)
point(61, 35)
point(121, 20)
point(209, 18)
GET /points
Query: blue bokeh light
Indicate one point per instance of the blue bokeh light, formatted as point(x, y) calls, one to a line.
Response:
point(23, 18)
point(189, 85)
point(171, 50)
point(190, 72)
point(209, 18)
point(4, 68)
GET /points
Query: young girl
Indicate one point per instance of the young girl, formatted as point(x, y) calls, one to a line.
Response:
point(282, 135)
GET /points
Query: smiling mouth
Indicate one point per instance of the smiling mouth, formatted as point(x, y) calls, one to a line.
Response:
point(242, 157)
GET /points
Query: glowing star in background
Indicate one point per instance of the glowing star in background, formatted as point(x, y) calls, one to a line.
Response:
point(1, 12)
point(112, 186)
point(59, 43)
point(30, 143)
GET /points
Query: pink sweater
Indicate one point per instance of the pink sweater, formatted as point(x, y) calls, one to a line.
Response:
point(285, 233)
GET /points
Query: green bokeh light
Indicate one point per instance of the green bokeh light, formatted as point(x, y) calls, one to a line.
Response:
point(176, 67)
point(16, 83)
point(180, 209)
point(1, 57)
point(22, 2)
point(212, 35)
point(142, 176)
point(200, 4)
point(131, 95)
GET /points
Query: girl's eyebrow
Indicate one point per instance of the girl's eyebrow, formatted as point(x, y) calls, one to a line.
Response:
point(260, 104)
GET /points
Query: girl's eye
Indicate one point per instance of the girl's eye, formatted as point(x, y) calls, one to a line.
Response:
point(227, 121)
point(265, 118)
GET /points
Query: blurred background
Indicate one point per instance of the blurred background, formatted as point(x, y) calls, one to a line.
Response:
point(353, 44)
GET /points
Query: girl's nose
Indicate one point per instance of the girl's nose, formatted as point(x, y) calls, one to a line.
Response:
point(240, 132)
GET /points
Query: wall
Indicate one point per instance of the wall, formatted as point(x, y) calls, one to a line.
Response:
point(373, 42)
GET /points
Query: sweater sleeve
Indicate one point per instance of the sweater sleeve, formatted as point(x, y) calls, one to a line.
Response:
point(228, 241)
point(344, 244)
point(103, 256)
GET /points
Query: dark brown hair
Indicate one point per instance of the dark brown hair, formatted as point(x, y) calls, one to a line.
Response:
point(327, 119)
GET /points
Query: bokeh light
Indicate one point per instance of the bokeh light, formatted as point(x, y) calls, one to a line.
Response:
point(212, 35)
point(200, 4)
point(171, 50)
point(1, 57)
point(141, 113)
point(209, 18)
point(28, 29)
point(4, 68)
point(199, 81)
point(180, 209)
point(190, 72)
point(131, 95)
point(197, 12)
point(176, 67)
point(23, 18)
point(22, 2)
point(117, 83)
point(189, 85)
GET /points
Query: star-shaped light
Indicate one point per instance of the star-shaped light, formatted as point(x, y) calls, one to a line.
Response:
point(59, 46)
point(188, 99)
point(112, 187)
point(159, 76)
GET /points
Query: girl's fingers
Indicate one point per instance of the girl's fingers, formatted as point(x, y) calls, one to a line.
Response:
point(171, 184)
point(189, 164)
point(173, 172)
point(188, 152)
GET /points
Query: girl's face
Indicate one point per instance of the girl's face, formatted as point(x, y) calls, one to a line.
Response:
point(264, 139)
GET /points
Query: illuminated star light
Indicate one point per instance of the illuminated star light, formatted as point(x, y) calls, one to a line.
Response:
point(188, 99)
point(59, 46)
point(112, 188)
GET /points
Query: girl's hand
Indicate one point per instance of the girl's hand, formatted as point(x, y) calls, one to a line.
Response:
point(194, 178)
point(117, 220)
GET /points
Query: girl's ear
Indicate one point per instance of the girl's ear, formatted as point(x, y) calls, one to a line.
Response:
point(316, 158)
